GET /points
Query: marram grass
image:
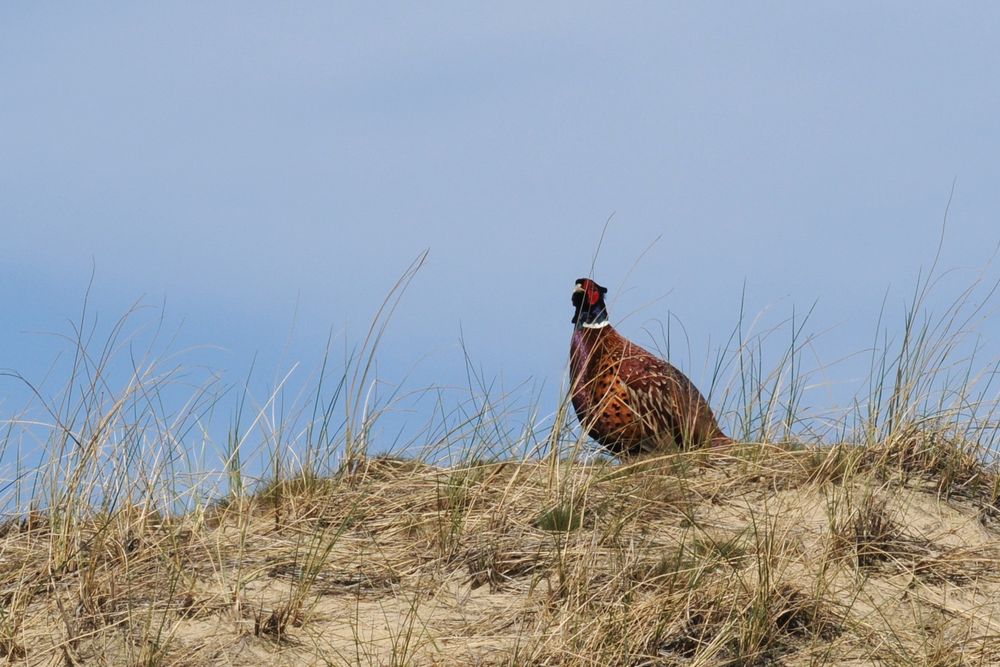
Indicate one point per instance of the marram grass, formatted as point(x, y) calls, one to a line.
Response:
point(756, 556)
point(501, 546)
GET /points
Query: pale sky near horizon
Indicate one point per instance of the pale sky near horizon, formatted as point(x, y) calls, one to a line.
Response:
point(265, 172)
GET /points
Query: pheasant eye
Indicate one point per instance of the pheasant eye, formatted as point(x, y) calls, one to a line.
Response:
point(593, 295)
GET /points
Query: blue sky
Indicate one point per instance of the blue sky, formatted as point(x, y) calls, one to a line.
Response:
point(264, 172)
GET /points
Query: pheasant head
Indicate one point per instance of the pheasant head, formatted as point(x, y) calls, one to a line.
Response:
point(588, 303)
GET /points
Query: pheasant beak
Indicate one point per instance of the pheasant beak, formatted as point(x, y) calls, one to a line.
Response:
point(578, 288)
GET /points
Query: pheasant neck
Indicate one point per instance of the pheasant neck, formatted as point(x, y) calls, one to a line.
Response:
point(592, 319)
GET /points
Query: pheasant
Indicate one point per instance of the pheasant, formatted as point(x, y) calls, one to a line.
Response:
point(627, 399)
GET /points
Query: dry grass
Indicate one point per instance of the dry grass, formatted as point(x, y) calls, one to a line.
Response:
point(496, 544)
point(742, 558)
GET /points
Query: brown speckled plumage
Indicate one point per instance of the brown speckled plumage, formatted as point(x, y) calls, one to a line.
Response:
point(629, 400)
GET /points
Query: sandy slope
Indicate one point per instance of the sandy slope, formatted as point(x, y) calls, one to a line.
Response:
point(757, 556)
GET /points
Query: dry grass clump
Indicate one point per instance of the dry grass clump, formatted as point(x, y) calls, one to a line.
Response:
point(951, 464)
